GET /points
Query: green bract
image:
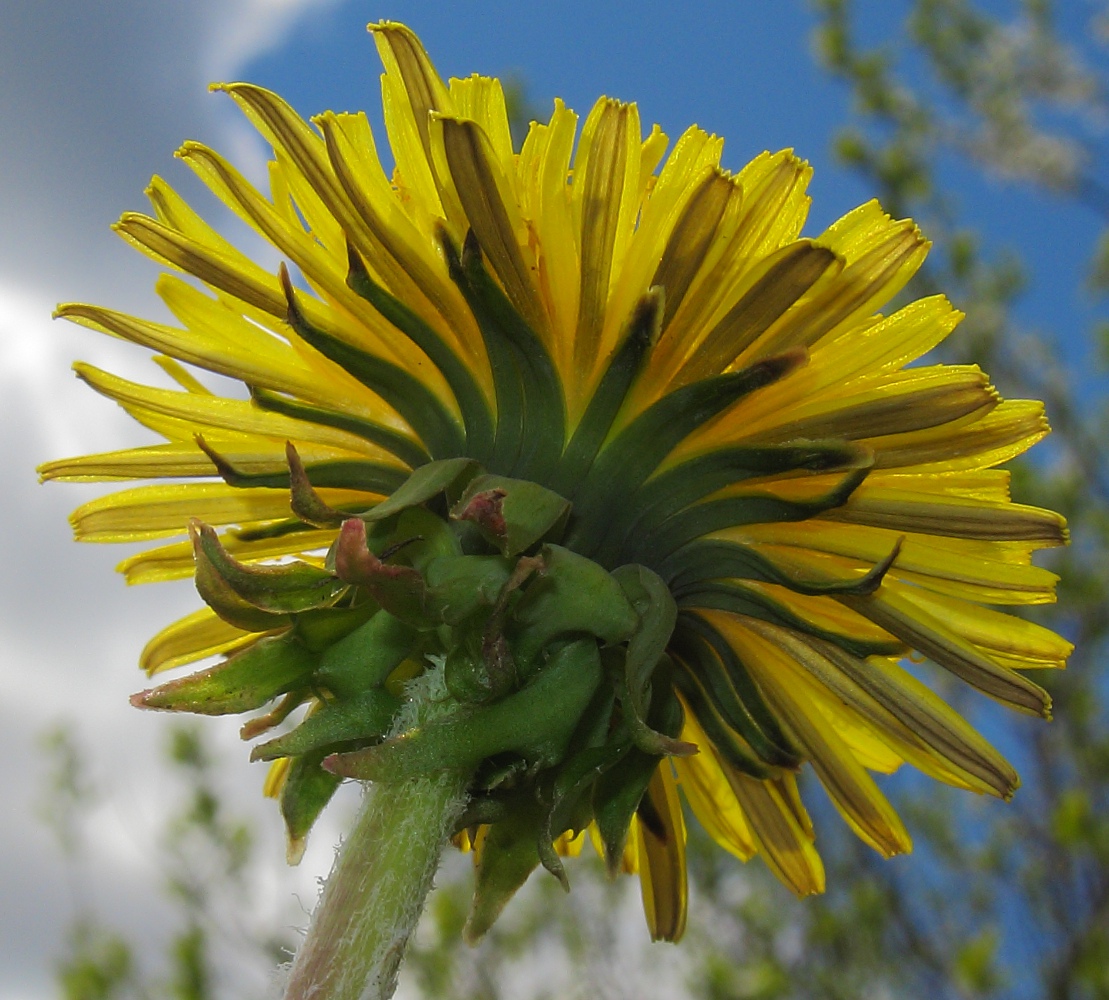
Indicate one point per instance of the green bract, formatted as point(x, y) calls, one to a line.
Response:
point(549, 659)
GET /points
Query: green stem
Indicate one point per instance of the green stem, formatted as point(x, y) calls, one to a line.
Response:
point(375, 894)
point(376, 891)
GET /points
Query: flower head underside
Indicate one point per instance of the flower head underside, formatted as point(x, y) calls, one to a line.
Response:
point(596, 431)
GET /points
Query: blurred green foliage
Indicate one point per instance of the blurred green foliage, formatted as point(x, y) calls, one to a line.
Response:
point(203, 856)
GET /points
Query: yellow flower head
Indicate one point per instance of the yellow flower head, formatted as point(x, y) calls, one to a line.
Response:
point(598, 433)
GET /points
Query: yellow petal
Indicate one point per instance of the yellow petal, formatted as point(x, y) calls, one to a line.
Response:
point(976, 442)
point(688, 234)
point(710, 796)
point(191, 638)
point(659, 831)
point(782, 841)
point(275, 777)
point(404, 257)
point(822, 613)
point(404, 58)
point(411, 89)
point(953, 516)
point(852, 790)
point(247, 354)
point(819, 548)
point(174, 213)
point(887, 343)
point(881, 254)
point(175, 561)
point(1024, 643)
point(481, 100)
point(226, 414)
point(181, 375)
point(569, 844)
point(768, 291)
point(890, 404)
point(160, 511)
point(183, 459)
point(545, 164)
point(895, 609)
point(487, 197)
point(878, 696)
point(326, 272)
point(605, 201)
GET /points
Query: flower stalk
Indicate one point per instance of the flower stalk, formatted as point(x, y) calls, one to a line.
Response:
point(384, 870)
point(375, 894)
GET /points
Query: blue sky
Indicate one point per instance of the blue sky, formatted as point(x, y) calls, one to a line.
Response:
point(97, 97)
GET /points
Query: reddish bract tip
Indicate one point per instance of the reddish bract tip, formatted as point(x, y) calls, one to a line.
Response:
point(354, 562)
point(486, 509)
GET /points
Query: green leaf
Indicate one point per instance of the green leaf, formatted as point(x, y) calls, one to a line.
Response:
point(280, 589)
point(307, 789)
point(400, 590)
point(732, 747)
point(531, 413)
point(733, 691)
point(321, 629)
point(571, 797)
point(571, 595)
point(364, 658)
point(477, 673)
point(304, 501)
point(448, 475)
point(595, 747)
point(536, 722)
point(617, 792)
point(684, 526)
point(624, 465)
point(624, 365)
point(421, 409)
point(471, 400)
point(425, 538)
point(681, 485)
point(218, 594)
point(409, 451)
point(373, 477)
point(976, 968)
point(366, 716)
point(646, 648)
point(508, 856)
point(544, 425)
point(709, 559)
point(242, 683)
point(460, 586)
point(724, 595)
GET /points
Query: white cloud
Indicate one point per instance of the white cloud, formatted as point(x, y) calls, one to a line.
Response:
point(250, 28)
point(96, 98)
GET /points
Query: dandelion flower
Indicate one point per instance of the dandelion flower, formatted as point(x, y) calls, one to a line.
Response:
point(597, 437)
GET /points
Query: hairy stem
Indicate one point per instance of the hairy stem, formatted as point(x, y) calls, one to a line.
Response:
point(375, 894)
